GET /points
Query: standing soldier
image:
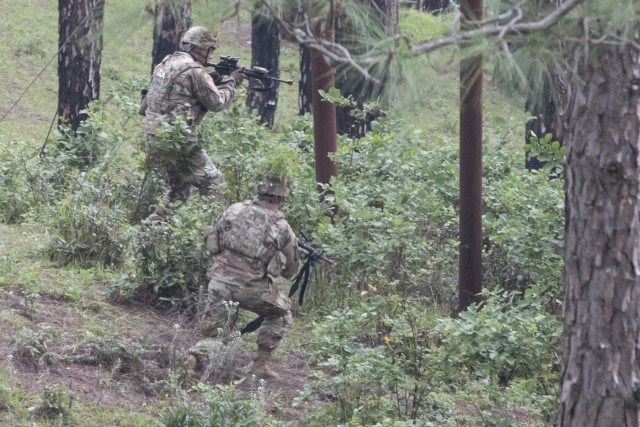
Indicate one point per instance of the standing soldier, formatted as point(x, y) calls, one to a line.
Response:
point(252, 243)
point(181, 89)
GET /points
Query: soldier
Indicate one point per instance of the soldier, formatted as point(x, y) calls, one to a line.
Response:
point(180, 87)
point(252, 243)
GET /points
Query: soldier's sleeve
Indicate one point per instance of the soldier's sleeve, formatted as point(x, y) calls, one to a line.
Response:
point(214, 98)
point(289, 247)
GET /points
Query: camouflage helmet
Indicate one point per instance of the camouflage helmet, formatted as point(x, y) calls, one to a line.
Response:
point(274, 186)
point(200, 37)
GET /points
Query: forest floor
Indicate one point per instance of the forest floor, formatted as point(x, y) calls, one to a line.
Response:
point(68, 332)
point(122, 362)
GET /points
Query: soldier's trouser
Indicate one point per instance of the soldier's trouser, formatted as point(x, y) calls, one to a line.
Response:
point(263, 298)
point(203, 175)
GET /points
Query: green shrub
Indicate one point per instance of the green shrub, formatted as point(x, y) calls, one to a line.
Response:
point(523, 225)
point(223, 406)
point(14, 198)
point(168, 261)
point(56, 404)
point(90, 226)
point(507, 336)
point(375, 365)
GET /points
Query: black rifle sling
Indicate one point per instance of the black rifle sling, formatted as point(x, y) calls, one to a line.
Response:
point(303, 275)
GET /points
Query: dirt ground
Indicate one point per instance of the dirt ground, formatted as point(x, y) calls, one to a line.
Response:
point(125, 369)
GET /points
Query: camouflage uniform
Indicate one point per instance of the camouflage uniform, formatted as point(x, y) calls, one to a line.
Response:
point(252, 243)
point(180, 87)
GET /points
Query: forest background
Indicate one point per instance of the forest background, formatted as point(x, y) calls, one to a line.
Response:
point(97, 309)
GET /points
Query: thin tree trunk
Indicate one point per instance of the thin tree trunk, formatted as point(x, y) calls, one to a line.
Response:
point(600, 384)
point(324, 118)
point(265, 52)
point(80, 24)
point(470, 259)
point(305, 87)
point(172, 19)
point(324, 113)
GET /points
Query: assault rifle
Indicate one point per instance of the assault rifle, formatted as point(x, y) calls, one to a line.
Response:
point(303, 276)
point(228, 64)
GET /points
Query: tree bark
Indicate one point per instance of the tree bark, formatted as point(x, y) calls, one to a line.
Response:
point(601, 376)
point(324, 113)
point(80, 24)
point(265, 52)
point(172, 19)
point(324, 119)
point(470, 250)
point(305, 95)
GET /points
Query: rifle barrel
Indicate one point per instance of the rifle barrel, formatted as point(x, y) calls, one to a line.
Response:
point(253, 74)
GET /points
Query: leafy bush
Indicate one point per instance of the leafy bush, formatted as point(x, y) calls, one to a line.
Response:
point(523, 226)
point(14, 199)
point(80, 188)
point(375, 364)
point(56, 404)
point(506, 336)
point(168, 261)
point(223, 406)
point(389, 344)
point(90, 226)
point(30, 346)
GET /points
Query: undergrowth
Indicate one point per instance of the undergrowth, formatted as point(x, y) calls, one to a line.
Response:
point(377, 358)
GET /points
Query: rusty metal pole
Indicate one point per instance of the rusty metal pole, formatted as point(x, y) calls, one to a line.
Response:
point(470, 252)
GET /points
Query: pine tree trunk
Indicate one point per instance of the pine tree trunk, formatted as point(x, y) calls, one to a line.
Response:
point(80, 24)
point(265, 52)
point(324, 118)
point(305, 90)
point(601, 377)
point(172, 19)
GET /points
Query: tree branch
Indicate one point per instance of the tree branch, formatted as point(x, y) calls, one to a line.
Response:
point(307, 38)
point(502, 30)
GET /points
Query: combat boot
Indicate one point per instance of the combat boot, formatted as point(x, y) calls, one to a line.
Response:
point(260, 368)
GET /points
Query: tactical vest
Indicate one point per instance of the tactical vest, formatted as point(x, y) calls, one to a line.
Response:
point(162, 84)
point(246, 231)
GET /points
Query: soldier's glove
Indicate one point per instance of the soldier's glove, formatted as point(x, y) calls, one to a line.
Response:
point(216, 76)
point(238, 75)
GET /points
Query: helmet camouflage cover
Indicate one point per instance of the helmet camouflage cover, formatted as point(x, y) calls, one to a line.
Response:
point(274, 186)
point(200, 37)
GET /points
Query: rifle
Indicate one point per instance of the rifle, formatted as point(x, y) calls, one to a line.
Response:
point(303, 275)
point(228, 64)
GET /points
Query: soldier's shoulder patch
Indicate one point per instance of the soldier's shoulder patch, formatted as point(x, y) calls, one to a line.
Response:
point(208, 81)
